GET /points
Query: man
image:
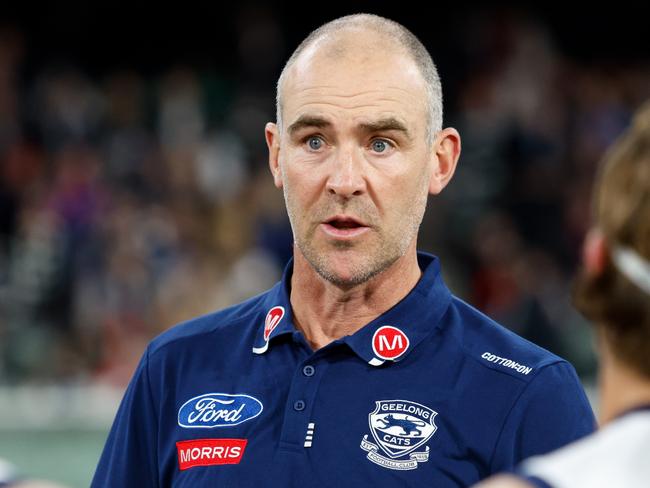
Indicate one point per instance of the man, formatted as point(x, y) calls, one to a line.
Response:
point(614, 292)
point(359, 368)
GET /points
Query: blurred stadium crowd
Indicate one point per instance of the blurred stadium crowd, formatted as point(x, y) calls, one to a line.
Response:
point(131, 201)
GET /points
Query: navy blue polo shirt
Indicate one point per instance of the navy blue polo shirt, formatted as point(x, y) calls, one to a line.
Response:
point(431, 393)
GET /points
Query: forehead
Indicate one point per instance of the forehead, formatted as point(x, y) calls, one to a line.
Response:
point(357, 82)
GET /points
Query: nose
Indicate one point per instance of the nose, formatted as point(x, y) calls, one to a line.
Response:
point(346, 178)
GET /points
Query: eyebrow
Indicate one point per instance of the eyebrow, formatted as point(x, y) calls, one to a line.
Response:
point(385, 124)
point(305, 121)
point(389, 123)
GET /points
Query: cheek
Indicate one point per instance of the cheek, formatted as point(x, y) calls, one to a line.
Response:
point(303, 179)
point(407, 189)
point(302, 191)
point(405, 202)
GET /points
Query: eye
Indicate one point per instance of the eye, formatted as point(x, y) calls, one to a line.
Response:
point(380, 145)
point(314, 142)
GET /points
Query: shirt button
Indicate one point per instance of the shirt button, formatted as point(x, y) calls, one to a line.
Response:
point(308, 370)
point(299, 405)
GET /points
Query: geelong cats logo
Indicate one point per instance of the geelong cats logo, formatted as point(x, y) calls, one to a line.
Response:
point(399, 428)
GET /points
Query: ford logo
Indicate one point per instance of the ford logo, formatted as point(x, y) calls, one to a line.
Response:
point(218, 410)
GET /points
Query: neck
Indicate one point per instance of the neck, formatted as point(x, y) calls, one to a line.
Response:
point(621, 388)
point(325, 312)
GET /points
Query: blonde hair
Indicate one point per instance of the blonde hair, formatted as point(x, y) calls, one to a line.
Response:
point(622, 213)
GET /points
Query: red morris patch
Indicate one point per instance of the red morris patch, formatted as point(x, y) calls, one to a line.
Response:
point(209, 452)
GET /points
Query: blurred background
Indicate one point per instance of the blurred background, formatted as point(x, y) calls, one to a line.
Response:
point(134, 190)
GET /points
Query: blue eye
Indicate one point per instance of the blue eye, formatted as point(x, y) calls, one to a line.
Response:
point(315, 143)
point(379, 145)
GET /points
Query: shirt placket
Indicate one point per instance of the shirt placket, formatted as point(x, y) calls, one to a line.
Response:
point(299, 429)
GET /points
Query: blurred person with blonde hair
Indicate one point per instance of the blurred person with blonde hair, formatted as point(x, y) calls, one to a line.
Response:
point(613, 291)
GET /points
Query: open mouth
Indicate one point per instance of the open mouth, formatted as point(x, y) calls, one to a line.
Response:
point(344, 223)
point(343, 226)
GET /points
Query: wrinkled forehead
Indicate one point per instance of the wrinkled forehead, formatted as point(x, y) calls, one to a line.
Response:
point(356, 78)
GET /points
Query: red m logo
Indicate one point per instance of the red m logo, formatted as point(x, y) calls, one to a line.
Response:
point(383, 341)
point(389, 342)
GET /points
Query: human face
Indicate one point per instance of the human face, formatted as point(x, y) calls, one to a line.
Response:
point(353, 161)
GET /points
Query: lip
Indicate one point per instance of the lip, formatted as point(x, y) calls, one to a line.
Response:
point(344, 233)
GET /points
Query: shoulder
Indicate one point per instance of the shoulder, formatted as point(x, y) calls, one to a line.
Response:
point(495, 348)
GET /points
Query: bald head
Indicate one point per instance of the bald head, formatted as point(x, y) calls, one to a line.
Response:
point(361, 36)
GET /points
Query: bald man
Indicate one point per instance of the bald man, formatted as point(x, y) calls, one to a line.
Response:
point(359, 368)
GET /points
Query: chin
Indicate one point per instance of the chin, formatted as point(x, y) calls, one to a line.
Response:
point(347, 271)
point(346, 265)
point(342, 280)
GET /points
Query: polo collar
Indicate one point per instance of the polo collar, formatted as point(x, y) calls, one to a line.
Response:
point(390, 337)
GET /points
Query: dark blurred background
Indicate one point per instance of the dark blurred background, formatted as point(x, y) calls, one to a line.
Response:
point(134, 190)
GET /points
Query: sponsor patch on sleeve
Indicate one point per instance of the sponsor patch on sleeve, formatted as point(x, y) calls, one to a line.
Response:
point(506, 363)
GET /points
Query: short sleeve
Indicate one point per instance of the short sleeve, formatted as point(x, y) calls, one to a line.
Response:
point(129, 456)
point(551, 412)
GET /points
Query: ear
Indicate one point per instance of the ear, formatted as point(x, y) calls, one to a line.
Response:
point(595, 253)
point(445, 154)
point(273, 142)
